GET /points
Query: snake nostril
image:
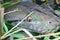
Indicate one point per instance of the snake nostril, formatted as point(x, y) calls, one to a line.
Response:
point(50, 22)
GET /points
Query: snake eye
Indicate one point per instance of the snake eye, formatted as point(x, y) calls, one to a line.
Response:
point(29, 19)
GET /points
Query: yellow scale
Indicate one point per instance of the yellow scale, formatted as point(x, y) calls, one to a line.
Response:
point(53, 5)
point(58, 1)
point(41, 4)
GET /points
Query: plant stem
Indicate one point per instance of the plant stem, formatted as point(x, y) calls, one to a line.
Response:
point(1, 21)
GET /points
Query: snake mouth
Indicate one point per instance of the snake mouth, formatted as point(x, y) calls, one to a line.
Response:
point(58, 26)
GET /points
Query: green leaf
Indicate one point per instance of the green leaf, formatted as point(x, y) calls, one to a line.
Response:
point(46, 38)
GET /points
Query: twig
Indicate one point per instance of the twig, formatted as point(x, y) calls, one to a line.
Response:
point(11, 33)
point(57, 38)
point(11, 11)
point(1, 20)
point(22, 29)
point(51, 34)
point(16, 25)
point(30, 35)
